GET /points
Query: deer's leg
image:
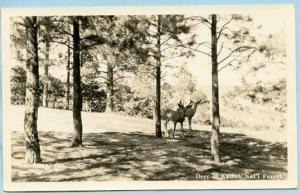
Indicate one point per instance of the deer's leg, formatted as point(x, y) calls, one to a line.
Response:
point(166, 129)
point(181, 123)
point(169, 133)
point(174, 129)
point(190, 123)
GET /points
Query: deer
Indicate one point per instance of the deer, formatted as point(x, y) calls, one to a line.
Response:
point(191, 109)
point(177, 116)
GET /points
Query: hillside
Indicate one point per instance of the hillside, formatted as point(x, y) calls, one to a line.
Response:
point(61, 121)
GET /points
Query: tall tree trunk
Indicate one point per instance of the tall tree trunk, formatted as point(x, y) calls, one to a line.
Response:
point(157, 115)
point(110, 89)
point(214, 141)
point(33, 152)
point(77, 96)
point(46, 68)
point(68, 78)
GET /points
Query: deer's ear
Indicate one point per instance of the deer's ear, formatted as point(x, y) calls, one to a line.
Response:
point(180, 103)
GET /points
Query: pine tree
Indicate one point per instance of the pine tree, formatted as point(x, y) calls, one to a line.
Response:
point(77, 97)
point(33, 152)
point(164, 43)
point(229, 45)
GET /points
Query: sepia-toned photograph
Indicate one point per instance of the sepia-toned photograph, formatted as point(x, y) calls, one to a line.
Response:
point(149, 98)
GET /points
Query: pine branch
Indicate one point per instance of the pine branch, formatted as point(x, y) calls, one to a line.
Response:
point(239, 49)
point(223, 27)
point(203, 19)
point(105, 78)
point(63, 32)
point(148, 72)
point(169, 58)
point(118, 78)
point(63, 43)
point(196, 50)
point(101, 71)
point(86, 47)
point(230, 63)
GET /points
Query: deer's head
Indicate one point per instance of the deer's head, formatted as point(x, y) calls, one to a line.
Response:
point(190, 105)
point(196, 103)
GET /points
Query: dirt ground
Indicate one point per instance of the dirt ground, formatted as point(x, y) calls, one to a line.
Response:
point(140, 156)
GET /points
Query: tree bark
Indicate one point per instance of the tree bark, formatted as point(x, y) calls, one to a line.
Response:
point(110, 89)
point(68, 79)
point(157, 115)
point(33, 152)
point(47, 62)
point(77, 96)
point(214, 141)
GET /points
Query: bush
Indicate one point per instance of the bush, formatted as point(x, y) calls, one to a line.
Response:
point(140, 107)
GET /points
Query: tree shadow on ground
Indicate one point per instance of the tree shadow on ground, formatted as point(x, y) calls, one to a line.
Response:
point(136, 156)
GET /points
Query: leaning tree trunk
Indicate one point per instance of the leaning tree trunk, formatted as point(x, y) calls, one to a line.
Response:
point(110, 89)
point(33, 152)
point(46, 69)
point(77, 97)
point(214, 141)
point(68, 79)
point(157, 115)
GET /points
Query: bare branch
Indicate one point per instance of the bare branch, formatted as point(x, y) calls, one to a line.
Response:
point(230, 63)
point(169, 38)
point(223, 27)
point(196, 50)
point(203, 19)
point(164, 18)
point(63, 43)
point(63, 32)
point(226, 65)
point(239, 49)
point(86, 47)
point(221, 48)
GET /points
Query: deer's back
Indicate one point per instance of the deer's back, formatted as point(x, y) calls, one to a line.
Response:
point(172, 115)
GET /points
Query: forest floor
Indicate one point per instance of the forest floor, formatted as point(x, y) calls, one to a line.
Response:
point(118, 147)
